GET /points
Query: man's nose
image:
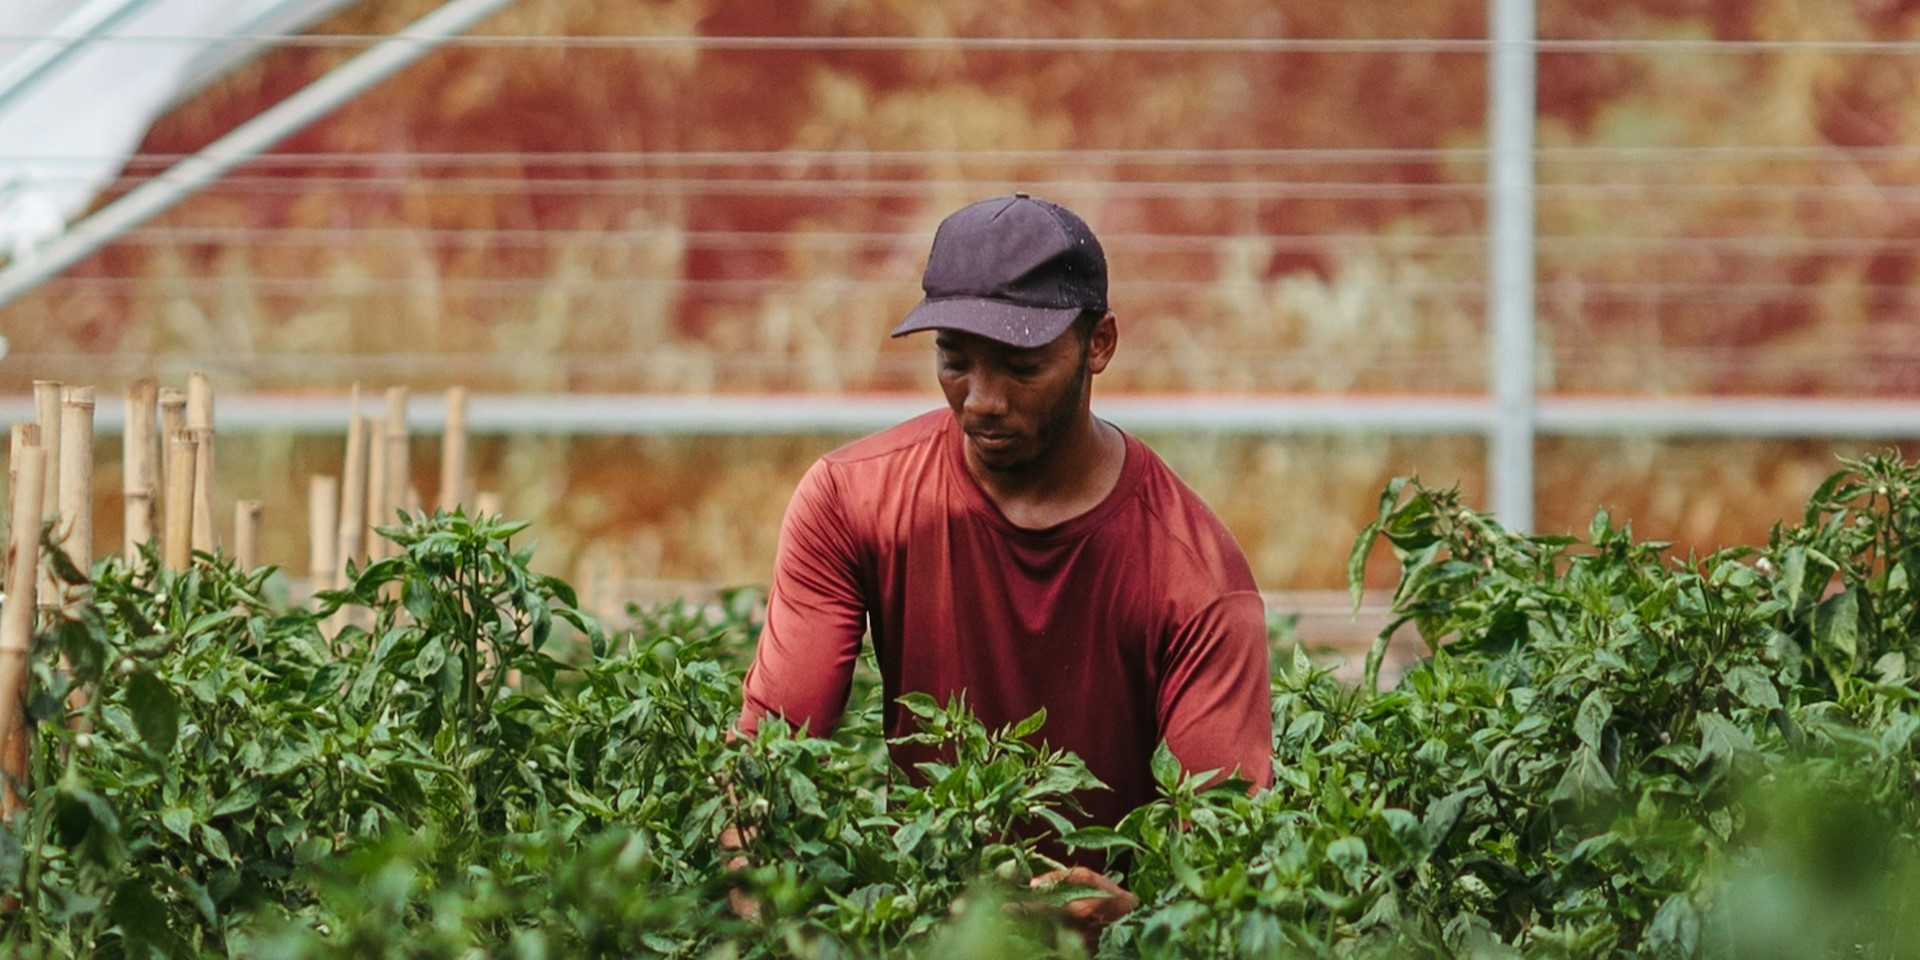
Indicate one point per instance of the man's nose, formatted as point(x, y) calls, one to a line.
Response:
point(986, 396)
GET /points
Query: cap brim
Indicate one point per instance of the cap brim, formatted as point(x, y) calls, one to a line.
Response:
point(1009, 323)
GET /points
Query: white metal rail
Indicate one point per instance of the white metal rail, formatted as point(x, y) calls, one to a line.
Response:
point(772, 415)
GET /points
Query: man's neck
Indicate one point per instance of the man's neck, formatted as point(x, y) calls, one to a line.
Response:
point(1075, 476)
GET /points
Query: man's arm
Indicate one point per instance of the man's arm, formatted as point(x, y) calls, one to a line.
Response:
point(816, 615)
point(1216, 697)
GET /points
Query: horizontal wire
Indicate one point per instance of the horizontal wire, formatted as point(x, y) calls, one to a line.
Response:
point(1143, 156)
point(894, 289)
point(814, 239)
point(1235, 45)
point(1891, 343)
point(1291, 358)
point(907, 189)
point(825, 189)
point(1274, 365)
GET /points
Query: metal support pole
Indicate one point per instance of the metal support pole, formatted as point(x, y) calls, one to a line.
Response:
point(283, 119)
point(22, 72)
point(1510, 179)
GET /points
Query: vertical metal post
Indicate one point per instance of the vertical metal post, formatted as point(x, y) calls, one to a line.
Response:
point(1510, 304)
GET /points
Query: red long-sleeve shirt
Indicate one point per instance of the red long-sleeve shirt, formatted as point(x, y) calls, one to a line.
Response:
point(1135, 622)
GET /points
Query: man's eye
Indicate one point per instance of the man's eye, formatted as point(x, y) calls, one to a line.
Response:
point(1023, 370)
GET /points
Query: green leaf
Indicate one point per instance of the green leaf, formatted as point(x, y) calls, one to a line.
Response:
point(1166, 768)
point(242, 798)
point(1184, 872)
point(1349, 856)
point(215, 843)
point(1721, 740)
point(806, 796)
point(156, 711)
point(909, 836)
point(1030, 725)
point(178, 821)
point(921, 705)
point(1445, 812)
point(1891, 667)
point(1061, 893)
point(141, 917)
point(85, 818)
point(1357, 562)
point(1585, 782)
point(1836, 631)
point(1752, 687)
point(433, 656)
point(207, 621)
point(313, 850)
point(1793, 570)
point(1590, 721)
point(1675, 932)
point(1099, 838)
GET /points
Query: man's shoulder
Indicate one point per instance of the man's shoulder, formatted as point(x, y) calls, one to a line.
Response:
point(919, 435)
point(1182, 516)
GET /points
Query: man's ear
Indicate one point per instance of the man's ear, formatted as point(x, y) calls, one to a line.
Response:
point(1101, 343)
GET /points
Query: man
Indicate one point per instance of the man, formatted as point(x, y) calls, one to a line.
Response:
point(1018, 548)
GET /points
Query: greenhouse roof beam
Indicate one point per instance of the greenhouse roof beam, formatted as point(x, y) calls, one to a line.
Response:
point(248, 140)
point(24, 71)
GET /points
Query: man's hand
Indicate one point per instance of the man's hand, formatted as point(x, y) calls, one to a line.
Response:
point(743, 904)
point(1104, 902)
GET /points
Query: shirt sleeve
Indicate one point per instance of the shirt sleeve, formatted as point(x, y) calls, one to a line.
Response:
point(816, 615)
point(1216, 700)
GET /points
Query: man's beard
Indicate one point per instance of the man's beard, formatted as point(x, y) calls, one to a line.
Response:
point(1052, 426)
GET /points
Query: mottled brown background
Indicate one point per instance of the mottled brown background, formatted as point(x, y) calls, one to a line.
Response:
point(1732, 220)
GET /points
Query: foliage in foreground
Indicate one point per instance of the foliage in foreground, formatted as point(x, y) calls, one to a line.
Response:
point(1608, 753)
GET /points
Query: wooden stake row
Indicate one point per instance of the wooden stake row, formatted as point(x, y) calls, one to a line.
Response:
point(375, 485)
point(156, 483)
point(168, 485)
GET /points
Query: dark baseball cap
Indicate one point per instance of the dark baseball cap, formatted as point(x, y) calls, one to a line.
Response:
point(1015, 269)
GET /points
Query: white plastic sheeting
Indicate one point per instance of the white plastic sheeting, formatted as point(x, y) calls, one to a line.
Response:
point(81, 81)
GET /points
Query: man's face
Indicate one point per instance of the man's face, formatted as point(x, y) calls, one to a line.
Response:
point(1014, 404)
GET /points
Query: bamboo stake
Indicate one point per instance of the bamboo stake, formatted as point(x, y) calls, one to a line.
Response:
point(15, 750)
point(24, 435)
point(46, 406)
point(323, 531)
point(173, 420)
point(200, 421)
point(203, 534)
point(377, 512)
point(453, 452)
point(74, 529)
point(399, 456)
point(351, 517)
point(246, 533)
point(138, 472)
point(16, 620)
point(182, 459)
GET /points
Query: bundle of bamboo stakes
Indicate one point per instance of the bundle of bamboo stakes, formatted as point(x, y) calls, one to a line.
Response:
point(168, 486)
